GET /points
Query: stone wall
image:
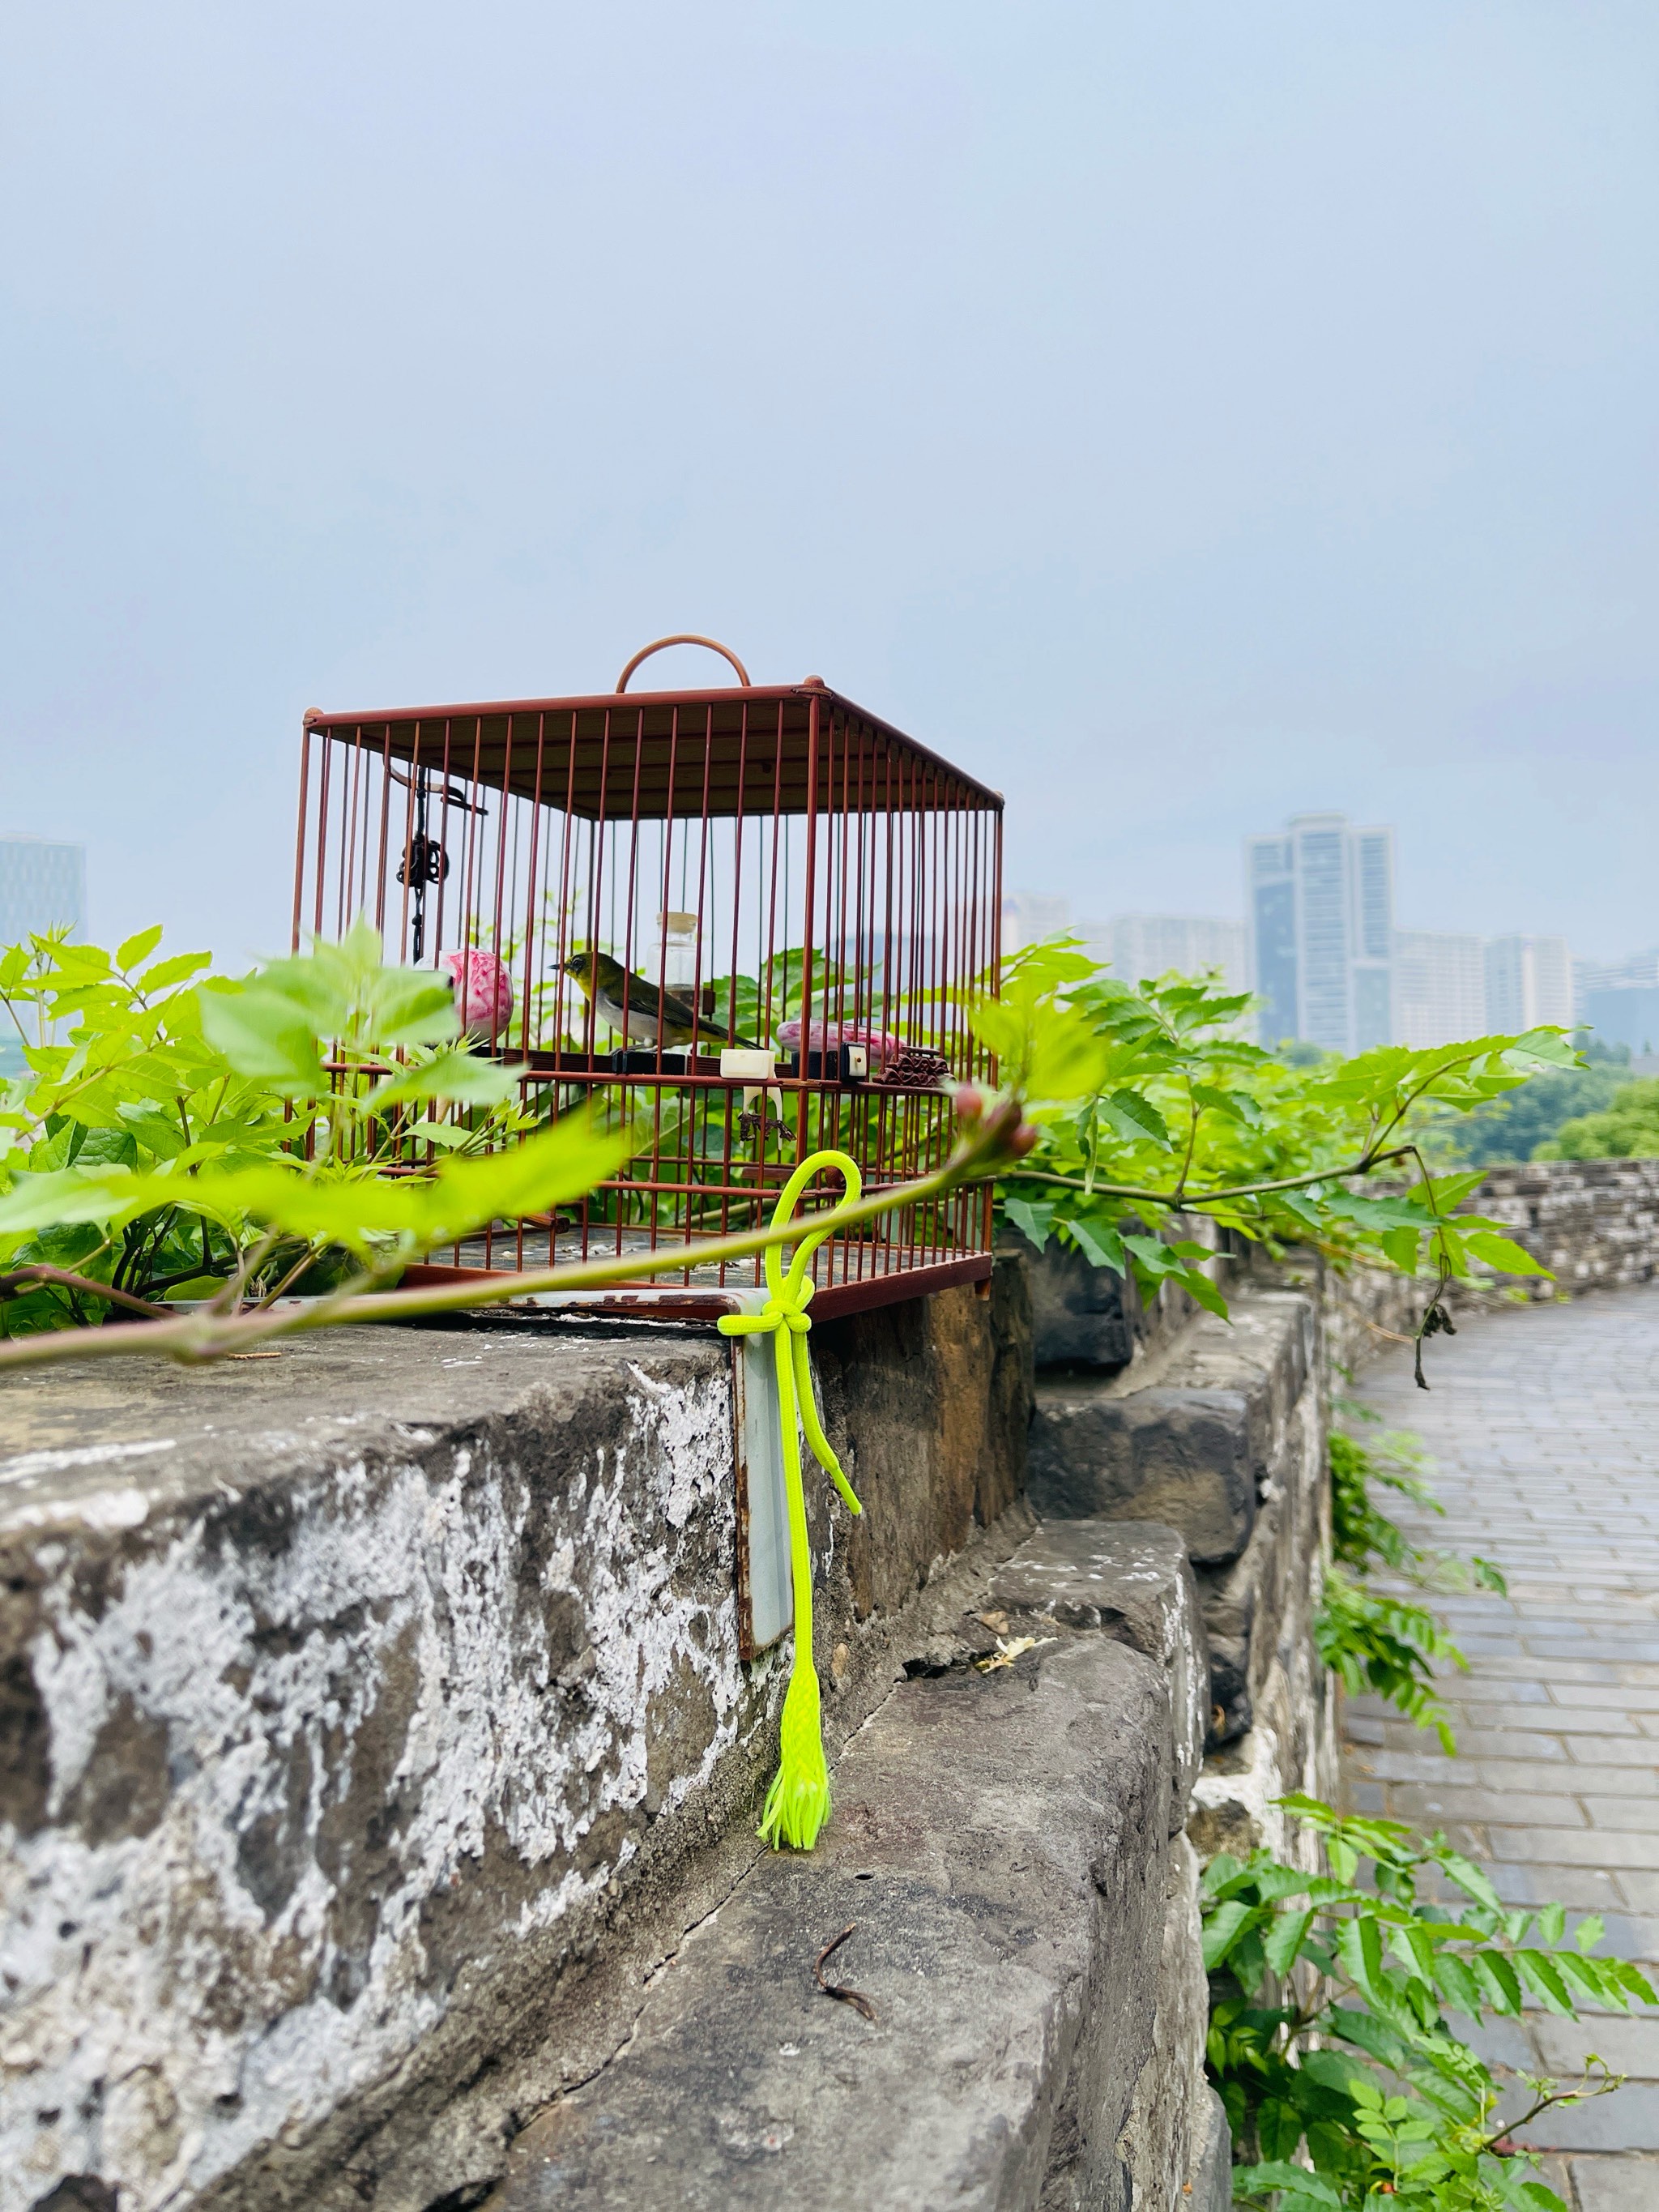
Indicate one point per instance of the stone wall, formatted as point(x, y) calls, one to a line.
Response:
point(1218, 1430)
point(362, 1710)
point(375, 1738)
point(1594, 1224)
point(382, 1768)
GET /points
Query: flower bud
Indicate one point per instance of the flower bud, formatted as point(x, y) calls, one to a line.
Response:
point(1003, 1120)
point(969, 1104)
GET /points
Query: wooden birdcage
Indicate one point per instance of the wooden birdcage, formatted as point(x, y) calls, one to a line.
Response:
point(749, 869)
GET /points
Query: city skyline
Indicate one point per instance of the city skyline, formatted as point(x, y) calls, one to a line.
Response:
point(1321, 947)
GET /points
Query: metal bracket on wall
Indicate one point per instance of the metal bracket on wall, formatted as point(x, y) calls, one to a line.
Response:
point(766, 1602)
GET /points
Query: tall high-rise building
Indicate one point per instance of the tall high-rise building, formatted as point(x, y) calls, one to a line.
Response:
point(1322, 932)
point(1439, 986)
point(42, 887)
point(1528, 982)
point(1637, 971)
point(1618, 1001)
point(1141, 945)
point(1030, 916)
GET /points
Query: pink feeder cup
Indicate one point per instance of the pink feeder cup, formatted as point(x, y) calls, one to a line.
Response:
point(880, 1045)
point(483, 993)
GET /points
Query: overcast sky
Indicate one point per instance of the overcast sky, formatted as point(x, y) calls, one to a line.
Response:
point(1180, 414)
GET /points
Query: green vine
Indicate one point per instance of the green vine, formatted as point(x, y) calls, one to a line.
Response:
point(1331, 2038)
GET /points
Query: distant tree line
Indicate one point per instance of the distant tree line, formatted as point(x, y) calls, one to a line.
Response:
point(1601, 1112)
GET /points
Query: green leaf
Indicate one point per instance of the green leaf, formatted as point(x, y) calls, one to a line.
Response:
point(456, 1075)
point(1400, 1249)
point(1136, 1118)
point(1410, 1944)
point(177, 970)
point(1633, 1980)
point(1223, 1868)
point(1502, 1253)
point(65, 1195)
point(1153, 1256)
point(1457, 1984)
point(1539, 1971)
point(139, 947)
point(1499, 1980)
point(1586, 1976)
point(1551, 1046)
point(1282, 1945)
point(1537, 2196)
point(106, 1147)
point(266, 1037)
point(1590, 1931)
point(1300, 1207)
point(1469, 1877)
point(1300, 2186)
point(460, 1196)
point(1200, 1286)
point(1101, 1245)
point(1068, 1058)
point(1235, 1105)
point(1000, 1029)
point(1033, 1219)
point(407, 1006)
point(1359, 1947)
point(1222, 1929)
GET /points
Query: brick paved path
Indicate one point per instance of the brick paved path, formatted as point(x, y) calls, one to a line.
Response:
point(1544, 1424)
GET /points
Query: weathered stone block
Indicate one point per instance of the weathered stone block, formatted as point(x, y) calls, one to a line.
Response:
point(932, 1402)
point(1165, 2138)
point(1182, 1456)
point(1082, 1315)
point(1131, 1580)
point(1212, 2160)
point(1091, 1320)
point(999, 1844)
point(340, 1680)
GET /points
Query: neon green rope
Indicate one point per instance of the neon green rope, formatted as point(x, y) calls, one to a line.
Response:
point(798, 1802)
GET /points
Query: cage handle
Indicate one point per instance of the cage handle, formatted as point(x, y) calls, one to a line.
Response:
point(684, 637)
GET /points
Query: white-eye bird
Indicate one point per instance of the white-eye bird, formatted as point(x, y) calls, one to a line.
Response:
point(651, 1015)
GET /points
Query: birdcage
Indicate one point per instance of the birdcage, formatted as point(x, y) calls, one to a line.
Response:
point(740, 920)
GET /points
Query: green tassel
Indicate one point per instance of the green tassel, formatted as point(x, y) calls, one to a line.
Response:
point(798, 1802)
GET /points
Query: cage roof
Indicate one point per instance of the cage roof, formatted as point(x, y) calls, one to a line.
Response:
point(649, 755)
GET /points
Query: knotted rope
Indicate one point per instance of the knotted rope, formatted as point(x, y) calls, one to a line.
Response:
point(798, 1802)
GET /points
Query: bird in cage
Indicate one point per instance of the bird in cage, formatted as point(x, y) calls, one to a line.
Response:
point(483, 993)
point(652, 1016)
